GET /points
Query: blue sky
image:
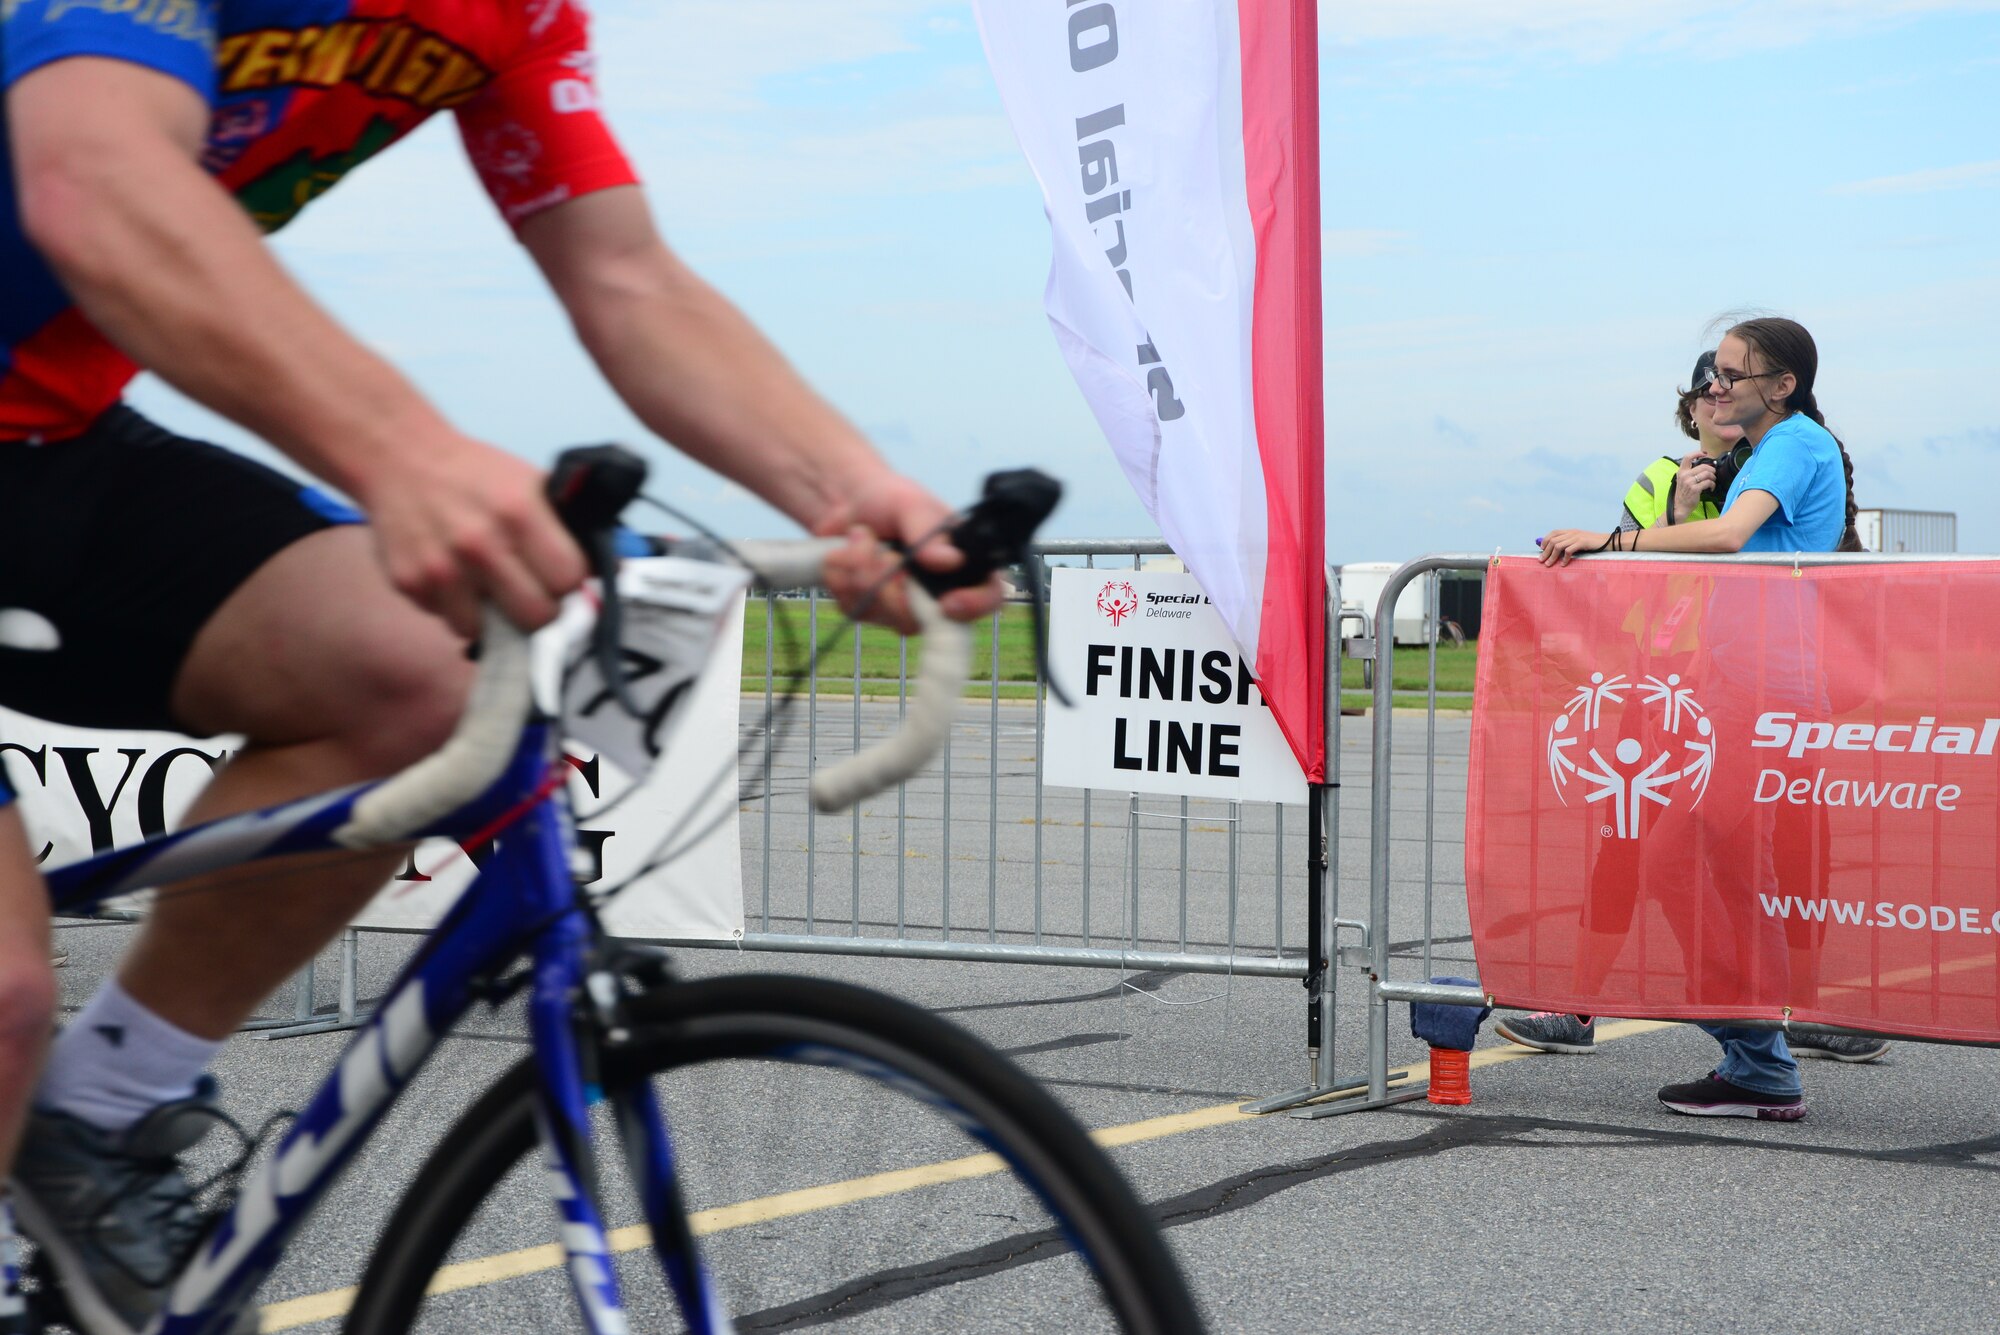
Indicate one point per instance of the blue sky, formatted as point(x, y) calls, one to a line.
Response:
point(1535, 211)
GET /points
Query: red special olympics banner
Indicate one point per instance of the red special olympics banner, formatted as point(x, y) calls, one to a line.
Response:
point(1739, 791)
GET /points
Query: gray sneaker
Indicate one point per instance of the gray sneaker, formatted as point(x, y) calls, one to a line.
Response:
point(1550, 1031)
point(1837, 1047)
point(111, 1211)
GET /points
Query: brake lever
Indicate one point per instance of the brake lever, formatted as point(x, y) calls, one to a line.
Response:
point(995, 533)
point(590, 486)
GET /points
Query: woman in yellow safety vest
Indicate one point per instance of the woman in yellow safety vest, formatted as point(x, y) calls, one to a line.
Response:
point(1649, 501)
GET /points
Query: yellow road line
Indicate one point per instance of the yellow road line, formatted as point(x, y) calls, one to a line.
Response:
point(534, 1260)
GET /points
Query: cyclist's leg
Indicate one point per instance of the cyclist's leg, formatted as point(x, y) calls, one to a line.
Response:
point(191, 589)
point(27, 1007)
point(27, 984)
point(156, 559)
point(334, 677)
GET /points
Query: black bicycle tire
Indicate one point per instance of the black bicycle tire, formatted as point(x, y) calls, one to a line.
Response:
point(745, 1015)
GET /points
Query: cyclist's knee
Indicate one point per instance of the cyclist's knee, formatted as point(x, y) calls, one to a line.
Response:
point(403, 701)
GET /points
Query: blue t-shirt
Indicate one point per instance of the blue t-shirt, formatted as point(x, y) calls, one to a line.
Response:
point(1798, 463)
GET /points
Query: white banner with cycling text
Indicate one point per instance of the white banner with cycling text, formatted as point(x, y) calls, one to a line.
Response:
point(84, 792)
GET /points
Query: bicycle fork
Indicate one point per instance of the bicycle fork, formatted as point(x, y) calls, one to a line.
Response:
point(650, 1156)
point(567, 1086)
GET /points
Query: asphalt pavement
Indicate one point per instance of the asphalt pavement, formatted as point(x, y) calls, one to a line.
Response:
point(1565, 1198)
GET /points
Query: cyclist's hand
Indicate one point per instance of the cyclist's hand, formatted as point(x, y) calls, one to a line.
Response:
point(461, 524)
point(897, 508)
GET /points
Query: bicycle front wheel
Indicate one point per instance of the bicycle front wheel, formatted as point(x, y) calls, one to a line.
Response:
point(849, 1158)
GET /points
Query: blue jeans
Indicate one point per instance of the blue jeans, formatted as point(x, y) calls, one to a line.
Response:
point(1755, 1059)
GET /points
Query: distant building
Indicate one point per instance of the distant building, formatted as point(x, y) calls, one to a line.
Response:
point(1907, 530)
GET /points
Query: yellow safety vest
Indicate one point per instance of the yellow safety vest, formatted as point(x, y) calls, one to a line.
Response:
point(1650, 496)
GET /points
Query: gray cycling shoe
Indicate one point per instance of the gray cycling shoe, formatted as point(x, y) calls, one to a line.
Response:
point(1837, 1047)
point(111, 1211)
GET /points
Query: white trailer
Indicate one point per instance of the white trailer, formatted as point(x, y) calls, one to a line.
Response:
point(1361, 585)
point(1907, 530)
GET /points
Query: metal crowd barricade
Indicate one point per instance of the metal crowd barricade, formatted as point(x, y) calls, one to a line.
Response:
point(881, 916)
point(305, 1017)
point(1025, 925)
point(1135, 868)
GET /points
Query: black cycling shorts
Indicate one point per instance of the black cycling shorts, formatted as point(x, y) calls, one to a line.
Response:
point(127, 538)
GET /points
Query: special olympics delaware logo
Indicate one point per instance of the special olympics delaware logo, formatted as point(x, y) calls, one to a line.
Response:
point(1117, 600)
point(1632, 774)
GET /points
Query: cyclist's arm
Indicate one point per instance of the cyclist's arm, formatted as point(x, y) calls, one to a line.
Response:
point(167, 265)
point(696, 371)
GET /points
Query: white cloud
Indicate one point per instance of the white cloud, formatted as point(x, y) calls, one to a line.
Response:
point(1924, 182)
point(723, 177)
point(902, 157)
point(711, 55)
point(741, 110)
point(1595, 30)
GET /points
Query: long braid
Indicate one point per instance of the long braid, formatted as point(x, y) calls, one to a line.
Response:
point(1850, 536)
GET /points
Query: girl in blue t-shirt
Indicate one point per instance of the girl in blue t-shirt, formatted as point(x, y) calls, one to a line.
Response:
point(1795, 494)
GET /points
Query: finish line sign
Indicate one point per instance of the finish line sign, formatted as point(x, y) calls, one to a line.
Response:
point(1163, 701)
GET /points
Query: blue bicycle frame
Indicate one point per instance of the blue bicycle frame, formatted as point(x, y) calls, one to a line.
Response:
point(524, 903)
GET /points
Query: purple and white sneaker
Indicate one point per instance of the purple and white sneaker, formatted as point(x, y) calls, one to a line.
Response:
point(1712, 1096)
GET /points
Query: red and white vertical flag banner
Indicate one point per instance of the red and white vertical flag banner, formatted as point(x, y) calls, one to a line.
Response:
point(1177, 146)
point(1740, 791)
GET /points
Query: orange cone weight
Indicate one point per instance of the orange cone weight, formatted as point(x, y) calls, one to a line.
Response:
point(1451, 1076)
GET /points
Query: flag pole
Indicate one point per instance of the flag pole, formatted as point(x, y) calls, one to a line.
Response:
point(1301, 18)
point(1321, 902)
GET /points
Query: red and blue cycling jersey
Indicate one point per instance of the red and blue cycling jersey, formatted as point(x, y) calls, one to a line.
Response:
point(302, 91)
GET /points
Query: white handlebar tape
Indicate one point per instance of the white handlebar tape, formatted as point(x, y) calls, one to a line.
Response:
point(468, 763)
point(793, 563)
point(947, 658)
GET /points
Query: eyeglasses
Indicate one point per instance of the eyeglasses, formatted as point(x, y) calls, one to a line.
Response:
point(1727, 380)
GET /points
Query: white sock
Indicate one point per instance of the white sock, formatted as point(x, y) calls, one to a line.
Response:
point(117, 1061)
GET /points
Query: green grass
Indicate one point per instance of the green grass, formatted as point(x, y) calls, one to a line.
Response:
point(880, 660)
point(1447, 704)
point(880, 652)
point(886, 690)
point(1411, 666)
